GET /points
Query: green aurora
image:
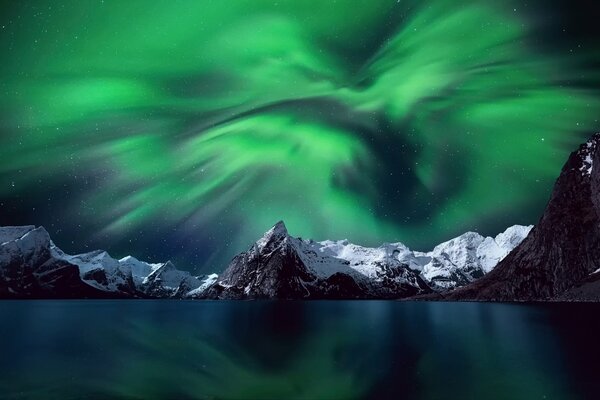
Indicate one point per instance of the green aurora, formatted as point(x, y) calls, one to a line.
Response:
point(195, 125)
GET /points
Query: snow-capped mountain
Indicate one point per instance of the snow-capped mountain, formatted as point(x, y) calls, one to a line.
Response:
point(468, 257)
point(29, 270)
point(207, 281)
point(560, 259)
point(31, 265)
point(276, 266)
point(281, 266)
point(100, 270)
point(139, 269)
point(168, 281)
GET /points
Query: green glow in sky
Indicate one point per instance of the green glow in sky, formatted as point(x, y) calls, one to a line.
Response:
point(369, 120)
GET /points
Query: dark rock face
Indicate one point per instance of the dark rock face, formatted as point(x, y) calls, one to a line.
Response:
point(270, 269)
point(273, 269)
point(98, 275)
point(339, 286)
point(588, 290)
point(562, 250)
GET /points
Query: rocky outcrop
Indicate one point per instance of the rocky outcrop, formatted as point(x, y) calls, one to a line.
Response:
point(562, 252)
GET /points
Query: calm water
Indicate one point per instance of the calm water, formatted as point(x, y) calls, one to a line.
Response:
point(304, 350)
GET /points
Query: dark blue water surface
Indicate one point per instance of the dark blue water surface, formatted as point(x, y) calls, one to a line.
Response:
point(298, 350)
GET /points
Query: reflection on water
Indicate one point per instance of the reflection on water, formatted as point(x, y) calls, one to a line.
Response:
point(296, 350)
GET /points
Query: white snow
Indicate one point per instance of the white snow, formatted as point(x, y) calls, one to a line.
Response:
point(329, 257)
point(206, 282)
point(122, 272)
point(465, 254)
point(171, 278)
point(472, 254)
point(586, 155)
point(26, 244)
point(10, 233)
point(116, 274)
point(139, 269)
point(34, 240)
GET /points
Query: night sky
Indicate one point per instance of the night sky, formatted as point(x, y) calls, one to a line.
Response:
point(184, 129)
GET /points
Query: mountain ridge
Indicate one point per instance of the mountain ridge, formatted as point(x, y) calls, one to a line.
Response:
point(346, 270)
point(281, 266)
point(32, 266)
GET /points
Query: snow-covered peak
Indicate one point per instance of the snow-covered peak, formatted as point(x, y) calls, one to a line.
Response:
point(512, 236)
point(470, 256)
point(97, 259)
point(10, 233)
point(35, 239)
point(163, 268)
point(586, 154)
point(456, 248)
point(278, 231)
point(206, 282)
point(139, 269)
point(171, 278)
point(329, 257)
point(27, 244)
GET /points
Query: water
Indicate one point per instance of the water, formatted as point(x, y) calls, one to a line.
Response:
point(297, 350)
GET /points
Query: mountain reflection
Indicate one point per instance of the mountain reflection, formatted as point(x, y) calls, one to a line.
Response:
point(279, 350)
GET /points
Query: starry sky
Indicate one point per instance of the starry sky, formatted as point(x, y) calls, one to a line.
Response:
point(185, 129)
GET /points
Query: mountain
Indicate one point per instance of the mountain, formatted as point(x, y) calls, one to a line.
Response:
point(560, 258)
point(281, 266)
point(468, 257)
point(28, 269)
point(276, 266)
point(32, 266)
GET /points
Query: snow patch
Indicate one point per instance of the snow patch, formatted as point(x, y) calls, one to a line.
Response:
point(10, 233)
point(586, 153)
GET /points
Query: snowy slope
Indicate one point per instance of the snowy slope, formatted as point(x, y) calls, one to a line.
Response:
point(139, 269)
point(206, 282)
point(167, 280)
point(97, 268)
point(468, 257)
point(450, 264)
point(26, 245)
point(127, 276)
point(329, 257)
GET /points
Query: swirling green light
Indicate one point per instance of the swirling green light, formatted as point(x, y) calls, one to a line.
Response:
point(375, 120)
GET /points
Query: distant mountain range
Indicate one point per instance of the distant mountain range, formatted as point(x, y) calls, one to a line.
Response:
point(32, 266)
point(276, 266)
point(558, 259)
point(281, 266)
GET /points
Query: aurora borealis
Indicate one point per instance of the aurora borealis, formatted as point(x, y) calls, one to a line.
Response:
point(185, 129)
